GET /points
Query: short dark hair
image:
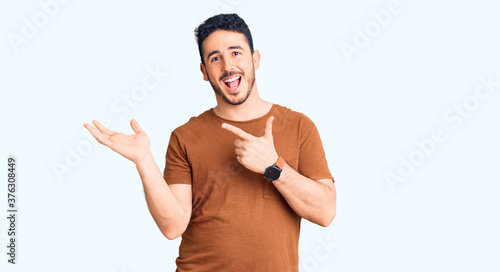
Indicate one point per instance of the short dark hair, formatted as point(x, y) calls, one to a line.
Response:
point(231, 22)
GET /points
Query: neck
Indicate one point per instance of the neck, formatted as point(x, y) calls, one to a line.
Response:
point(254, 107)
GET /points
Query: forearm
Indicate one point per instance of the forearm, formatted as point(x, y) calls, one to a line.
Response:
point(310, 199)
point(163, 205)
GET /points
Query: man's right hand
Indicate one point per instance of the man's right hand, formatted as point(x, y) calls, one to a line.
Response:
point(134, 147)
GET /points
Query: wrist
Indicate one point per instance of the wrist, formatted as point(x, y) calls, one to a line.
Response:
point(273, 172)
point(143, 159)
point(284, 175)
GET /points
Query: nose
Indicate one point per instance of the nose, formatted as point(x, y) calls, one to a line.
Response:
point(228, 64)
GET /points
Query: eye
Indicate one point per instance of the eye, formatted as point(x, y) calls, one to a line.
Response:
point(215, 59)
point(236, 53)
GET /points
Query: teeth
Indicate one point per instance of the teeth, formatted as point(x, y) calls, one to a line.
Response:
point(232, 79)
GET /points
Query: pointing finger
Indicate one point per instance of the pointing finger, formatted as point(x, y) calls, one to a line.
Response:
point(239, 132)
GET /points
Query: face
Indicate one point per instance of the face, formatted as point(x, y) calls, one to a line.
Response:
point(229, 65)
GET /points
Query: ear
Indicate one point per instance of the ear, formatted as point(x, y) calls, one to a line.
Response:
point(202, 68)
point(256, 59)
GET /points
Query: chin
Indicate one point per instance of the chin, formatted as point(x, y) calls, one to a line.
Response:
point(235, 102)
point(238, 100)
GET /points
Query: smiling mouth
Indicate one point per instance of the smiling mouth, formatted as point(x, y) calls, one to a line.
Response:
point(232, 83)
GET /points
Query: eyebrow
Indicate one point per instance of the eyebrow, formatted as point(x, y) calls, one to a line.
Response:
point(235, 47)
point(230, 48)
point(212, 53)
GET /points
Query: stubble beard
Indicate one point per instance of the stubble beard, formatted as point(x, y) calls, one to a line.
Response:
point(218, 91)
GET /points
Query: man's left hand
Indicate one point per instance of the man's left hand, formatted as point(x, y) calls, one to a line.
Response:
point(255, 153)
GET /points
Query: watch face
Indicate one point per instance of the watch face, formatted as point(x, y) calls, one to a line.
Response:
point(272, 173)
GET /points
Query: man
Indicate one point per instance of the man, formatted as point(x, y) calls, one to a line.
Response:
point(239, 177)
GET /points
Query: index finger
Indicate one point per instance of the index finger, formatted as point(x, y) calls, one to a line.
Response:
point(238, 131)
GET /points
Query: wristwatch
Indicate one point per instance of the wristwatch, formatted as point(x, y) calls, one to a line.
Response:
point(273, 172)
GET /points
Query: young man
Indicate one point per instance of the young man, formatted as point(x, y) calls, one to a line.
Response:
point(239, 177)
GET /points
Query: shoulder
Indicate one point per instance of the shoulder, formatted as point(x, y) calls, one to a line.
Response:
point(292, 117)
point(196, 124)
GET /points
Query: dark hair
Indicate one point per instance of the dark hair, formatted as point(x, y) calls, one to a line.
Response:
point(231, 22)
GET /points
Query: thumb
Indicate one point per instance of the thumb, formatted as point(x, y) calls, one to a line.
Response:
point(269, 128)
point(135, 126)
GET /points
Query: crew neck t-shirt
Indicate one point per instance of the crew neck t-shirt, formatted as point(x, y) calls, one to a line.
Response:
point(240, 221)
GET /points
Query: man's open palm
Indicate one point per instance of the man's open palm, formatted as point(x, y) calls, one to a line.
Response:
point(133, 147)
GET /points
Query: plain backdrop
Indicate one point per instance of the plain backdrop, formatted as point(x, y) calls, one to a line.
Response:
point(379, 78)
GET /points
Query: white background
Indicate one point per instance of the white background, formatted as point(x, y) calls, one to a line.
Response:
point(370, 111)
